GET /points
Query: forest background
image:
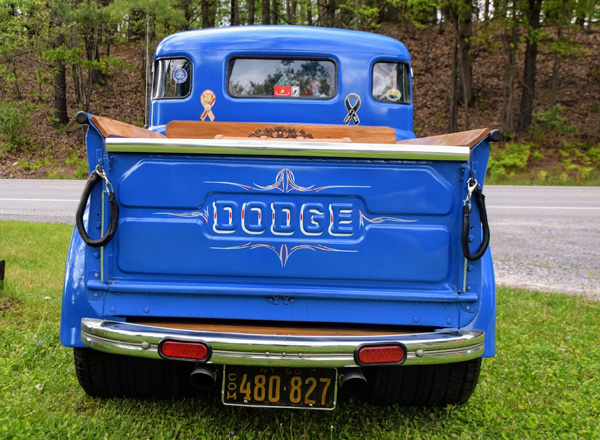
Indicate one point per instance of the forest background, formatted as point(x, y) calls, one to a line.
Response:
point(528, 67)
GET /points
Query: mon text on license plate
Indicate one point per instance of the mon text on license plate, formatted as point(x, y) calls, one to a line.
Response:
point(283, 387)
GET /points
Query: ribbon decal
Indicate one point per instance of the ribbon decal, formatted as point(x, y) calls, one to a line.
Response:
point(352, 109)
point(207, 99)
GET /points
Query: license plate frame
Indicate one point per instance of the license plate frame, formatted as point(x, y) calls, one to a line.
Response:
point(280, 387)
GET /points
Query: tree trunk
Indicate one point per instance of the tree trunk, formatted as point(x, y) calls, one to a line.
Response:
point(309, 18)
point(530, 65)
point(61, 116)
point(292, 8)
point(357, 14)
point(266, 12)
point(275, 12)
point(453, 109)
point(60, 94)
point(17, 89)
point(251, 9)
point(188, 14)
point(91, 48)
point(465, 34)
point(321, 13)
point(208, 13)
point(235, 13)
point(592, 7)
point(511, 40)
point(330, 9)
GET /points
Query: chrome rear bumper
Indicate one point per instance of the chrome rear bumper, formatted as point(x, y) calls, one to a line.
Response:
point(280, 351)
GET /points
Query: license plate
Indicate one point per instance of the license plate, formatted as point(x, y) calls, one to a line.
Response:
point(313, 388)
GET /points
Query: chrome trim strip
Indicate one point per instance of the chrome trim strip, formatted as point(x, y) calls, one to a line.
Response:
point(287, 148)
point(280, 351)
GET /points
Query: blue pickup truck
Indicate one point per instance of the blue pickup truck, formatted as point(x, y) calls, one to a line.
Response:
point(278, 234)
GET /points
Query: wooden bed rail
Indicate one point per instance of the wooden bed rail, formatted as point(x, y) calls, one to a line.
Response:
point(255, 130)
point(111, 128)
point(259, 130)
point(461, 139)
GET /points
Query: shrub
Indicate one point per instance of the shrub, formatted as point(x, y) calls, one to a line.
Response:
point(15, 126)
point(505, 162)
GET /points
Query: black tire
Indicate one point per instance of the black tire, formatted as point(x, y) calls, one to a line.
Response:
point(426, 385)
point(109, 375)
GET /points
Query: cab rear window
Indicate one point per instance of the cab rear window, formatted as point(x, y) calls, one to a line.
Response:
point(281, 78)
point(172, 78)
point(391, 83)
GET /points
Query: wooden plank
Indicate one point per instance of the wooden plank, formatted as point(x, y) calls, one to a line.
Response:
point(264, 138)
point(208, 130)
point(461, 139)
point(111, 128)
point(272, 330)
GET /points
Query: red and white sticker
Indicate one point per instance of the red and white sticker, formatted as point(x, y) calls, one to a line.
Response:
point(282, 91)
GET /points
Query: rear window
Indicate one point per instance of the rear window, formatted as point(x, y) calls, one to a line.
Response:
point(172, 78)
point(391, 83)
point(281, 78)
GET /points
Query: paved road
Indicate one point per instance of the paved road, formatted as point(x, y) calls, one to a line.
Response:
point(40, 200)
point(545, 238)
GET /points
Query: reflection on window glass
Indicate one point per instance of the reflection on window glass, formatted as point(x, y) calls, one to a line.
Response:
point(172, 78)
point(391, 83)
point(281, 78)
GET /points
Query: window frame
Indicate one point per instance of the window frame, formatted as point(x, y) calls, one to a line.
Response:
point(408, 72)
point(280, 58)
point(190, 77)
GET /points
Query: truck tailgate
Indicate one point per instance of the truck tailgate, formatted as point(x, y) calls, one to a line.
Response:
point(202, 233)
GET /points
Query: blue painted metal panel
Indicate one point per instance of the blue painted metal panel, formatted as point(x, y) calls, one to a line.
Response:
point(210, 51)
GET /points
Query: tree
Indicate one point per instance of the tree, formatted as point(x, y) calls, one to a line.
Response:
point(61, 116)
point(235, 13)
point(510, 44)
point(459, 13)
point(266, 12)
point(251, 10)
point(532, 21)
point(208, 8)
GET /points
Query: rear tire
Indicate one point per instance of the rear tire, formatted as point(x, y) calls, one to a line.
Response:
point(425, 385)
point(109, 375)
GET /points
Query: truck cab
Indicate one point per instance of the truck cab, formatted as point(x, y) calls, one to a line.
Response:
point(278, 233)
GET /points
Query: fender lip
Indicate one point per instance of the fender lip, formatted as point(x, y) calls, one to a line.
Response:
point(446, 346)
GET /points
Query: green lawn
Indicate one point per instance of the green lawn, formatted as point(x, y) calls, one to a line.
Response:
point(544, 382)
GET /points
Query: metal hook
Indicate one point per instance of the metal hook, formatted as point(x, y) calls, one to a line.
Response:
point(471, 186)
point(102, 174)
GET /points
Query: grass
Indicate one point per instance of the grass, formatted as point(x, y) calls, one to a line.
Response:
point(543, 383)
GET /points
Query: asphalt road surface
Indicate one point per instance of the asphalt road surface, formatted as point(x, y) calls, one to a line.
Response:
point(543, 238)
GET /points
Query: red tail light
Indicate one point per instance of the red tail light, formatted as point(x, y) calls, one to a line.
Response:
point(196, 351)
point(380, 354)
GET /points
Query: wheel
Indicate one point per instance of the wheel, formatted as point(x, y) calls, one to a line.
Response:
point(109, 375)
point(425, 385)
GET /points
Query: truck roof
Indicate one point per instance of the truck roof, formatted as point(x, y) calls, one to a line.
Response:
point(282, 38)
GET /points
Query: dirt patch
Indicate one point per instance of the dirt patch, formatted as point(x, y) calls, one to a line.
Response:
point(5, 305)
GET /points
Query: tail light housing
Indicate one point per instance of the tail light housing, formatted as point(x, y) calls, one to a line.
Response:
point(184, 351)
point(380, 354)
